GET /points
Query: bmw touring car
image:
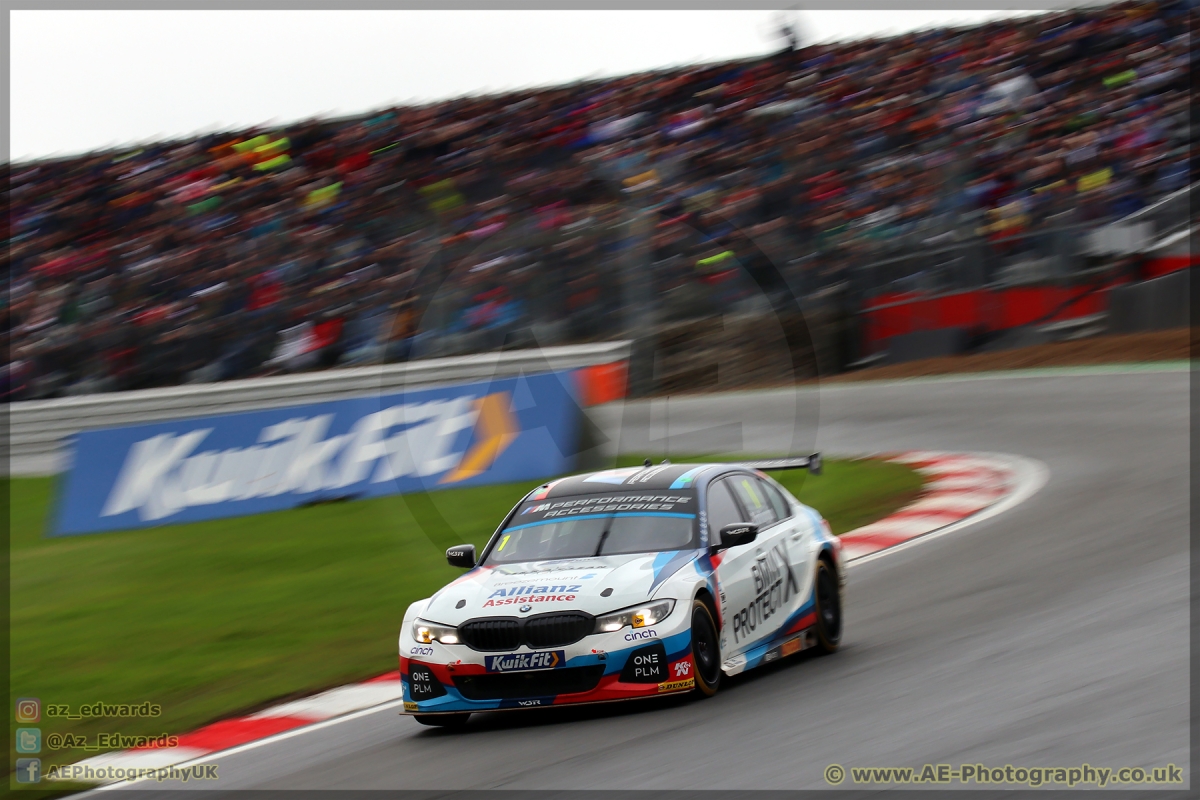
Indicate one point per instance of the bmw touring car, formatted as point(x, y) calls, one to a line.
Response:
point(624, 584)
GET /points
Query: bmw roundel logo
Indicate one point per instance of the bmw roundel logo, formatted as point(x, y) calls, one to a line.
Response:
point(526, 609)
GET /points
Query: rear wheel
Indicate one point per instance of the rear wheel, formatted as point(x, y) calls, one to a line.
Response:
point(706, 650)
point(829, 609)
point(443, 720)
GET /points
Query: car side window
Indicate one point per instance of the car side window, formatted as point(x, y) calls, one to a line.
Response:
point(750, 491)
point(783, 509)
point(722, 510)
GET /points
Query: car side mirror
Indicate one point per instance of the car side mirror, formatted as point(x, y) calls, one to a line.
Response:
point(462, 555)
point(738, 533)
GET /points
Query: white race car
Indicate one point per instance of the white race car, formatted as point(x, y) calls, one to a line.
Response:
point(624, 584)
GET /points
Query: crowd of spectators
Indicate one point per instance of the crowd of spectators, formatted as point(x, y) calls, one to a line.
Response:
point(505, 218)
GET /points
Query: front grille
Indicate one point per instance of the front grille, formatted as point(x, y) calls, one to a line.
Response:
point(491, 634)
point(556, 630)
point(540, 683)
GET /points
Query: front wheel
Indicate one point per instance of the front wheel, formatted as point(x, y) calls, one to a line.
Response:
point(706, 650)
point(829, 610)
point(443, 720)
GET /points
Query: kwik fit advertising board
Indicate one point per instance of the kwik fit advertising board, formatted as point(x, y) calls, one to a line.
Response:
point(511, 429)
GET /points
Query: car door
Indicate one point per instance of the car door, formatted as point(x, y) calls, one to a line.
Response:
point(777, 590)
point(797, 538)
point(733, 566)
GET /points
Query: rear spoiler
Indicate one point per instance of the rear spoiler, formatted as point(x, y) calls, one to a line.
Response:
point(811, 463)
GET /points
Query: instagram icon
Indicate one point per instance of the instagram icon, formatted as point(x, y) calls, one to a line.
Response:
point(29, 709)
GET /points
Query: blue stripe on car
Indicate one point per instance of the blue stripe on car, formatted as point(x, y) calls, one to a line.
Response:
point(685, 480)
point(667, 564)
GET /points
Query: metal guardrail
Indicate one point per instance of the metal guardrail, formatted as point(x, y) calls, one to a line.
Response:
point(1169, 214)
point(1057, 253)
point(38, 428)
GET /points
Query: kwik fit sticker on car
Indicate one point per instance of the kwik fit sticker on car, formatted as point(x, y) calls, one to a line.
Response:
point(511, 429)
point(522, 662)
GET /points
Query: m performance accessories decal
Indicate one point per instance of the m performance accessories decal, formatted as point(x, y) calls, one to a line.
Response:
point(675, 504)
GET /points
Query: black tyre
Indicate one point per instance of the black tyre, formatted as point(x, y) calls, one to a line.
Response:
point(443, 720)
point(706, 649)
point(829, 609)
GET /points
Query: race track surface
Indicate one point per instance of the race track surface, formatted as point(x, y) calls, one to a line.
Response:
point(1051, 635)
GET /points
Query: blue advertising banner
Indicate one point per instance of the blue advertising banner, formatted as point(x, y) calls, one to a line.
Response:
point(511, 429)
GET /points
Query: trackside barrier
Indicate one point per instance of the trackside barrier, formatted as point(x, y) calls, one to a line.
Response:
point(40, 429)
point(510, 429)
point(603, 383)
point(995, 310)
point(1154, 305)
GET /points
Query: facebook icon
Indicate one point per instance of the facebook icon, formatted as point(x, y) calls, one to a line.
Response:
point(29, 770)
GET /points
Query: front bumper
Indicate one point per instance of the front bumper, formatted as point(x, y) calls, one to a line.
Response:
point(624, 665)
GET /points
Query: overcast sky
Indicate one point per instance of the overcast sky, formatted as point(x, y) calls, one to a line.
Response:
point(85, 80)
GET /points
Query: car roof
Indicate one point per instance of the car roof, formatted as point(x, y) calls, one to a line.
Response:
point(657, 476)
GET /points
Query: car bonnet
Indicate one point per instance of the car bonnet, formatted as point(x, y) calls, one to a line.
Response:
point(596, 585)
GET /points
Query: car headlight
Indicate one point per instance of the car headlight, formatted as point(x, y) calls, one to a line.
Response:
point(638, 616)
point(427, 632)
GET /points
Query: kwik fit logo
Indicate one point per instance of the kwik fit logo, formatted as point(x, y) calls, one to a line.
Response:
point(546, 659)
point(167, 473)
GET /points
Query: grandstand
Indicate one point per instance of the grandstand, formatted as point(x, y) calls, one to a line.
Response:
point(850, 176)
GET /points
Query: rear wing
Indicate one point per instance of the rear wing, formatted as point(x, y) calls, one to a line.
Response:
point(811, 463)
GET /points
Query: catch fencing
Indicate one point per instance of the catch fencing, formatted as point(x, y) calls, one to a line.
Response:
point(39, 430)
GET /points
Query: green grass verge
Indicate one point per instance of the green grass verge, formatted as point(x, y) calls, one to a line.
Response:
point(208, 619)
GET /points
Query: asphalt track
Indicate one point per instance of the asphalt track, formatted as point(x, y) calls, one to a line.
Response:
point(1054, 634)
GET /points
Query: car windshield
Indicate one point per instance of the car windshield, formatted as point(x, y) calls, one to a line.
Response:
point(598, 525)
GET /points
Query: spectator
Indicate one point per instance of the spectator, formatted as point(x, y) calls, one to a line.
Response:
point(314, 244)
